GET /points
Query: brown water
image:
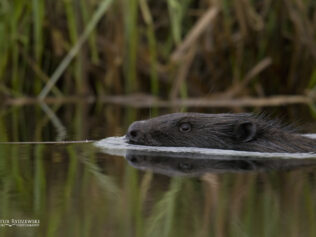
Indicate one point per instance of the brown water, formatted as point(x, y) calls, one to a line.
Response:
point(77, 190)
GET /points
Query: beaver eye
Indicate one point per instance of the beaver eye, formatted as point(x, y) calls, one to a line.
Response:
point(185, 127)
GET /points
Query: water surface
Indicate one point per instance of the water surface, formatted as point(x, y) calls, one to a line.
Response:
point(83, 190)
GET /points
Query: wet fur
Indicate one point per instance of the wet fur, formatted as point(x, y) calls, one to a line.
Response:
point(244, 131)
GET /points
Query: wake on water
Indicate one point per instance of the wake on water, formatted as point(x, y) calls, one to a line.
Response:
point(119, 146)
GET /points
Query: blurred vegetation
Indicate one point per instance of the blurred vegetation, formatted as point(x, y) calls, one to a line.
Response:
point(169, 48)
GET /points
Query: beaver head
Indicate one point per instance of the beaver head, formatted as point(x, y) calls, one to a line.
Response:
point(243, 131)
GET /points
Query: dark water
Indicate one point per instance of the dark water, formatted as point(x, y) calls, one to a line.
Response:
point(78, 190)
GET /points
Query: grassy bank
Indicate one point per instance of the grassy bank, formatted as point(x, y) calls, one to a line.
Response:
point(169, 48)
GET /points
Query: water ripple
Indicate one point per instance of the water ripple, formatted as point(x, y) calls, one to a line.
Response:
point(119, 146)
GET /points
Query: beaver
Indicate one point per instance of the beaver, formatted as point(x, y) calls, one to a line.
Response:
point(241, 131)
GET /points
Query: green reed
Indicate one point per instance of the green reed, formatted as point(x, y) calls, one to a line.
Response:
point(150, 33)
point(134, 41)
point(131, 44)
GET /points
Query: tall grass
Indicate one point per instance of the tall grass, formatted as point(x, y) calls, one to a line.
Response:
point(130, 49)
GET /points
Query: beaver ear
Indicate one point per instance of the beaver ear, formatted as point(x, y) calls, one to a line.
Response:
point(245, 131)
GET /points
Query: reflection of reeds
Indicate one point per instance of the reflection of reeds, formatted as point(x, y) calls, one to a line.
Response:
point(74, 191)
point(170, 48)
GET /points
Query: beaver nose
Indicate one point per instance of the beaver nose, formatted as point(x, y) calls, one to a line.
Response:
point(134, 132)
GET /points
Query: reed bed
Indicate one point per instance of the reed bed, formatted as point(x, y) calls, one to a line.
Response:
point(167, 48)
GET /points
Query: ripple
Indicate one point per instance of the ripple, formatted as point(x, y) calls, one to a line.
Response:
point(119, 146)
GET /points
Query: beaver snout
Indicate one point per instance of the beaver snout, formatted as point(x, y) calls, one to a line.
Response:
point(135, 133)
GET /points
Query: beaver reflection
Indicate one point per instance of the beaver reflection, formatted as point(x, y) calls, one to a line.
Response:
point(181, 165)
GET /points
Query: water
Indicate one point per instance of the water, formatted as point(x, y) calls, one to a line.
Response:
point(117, 190)
point(184, 161)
